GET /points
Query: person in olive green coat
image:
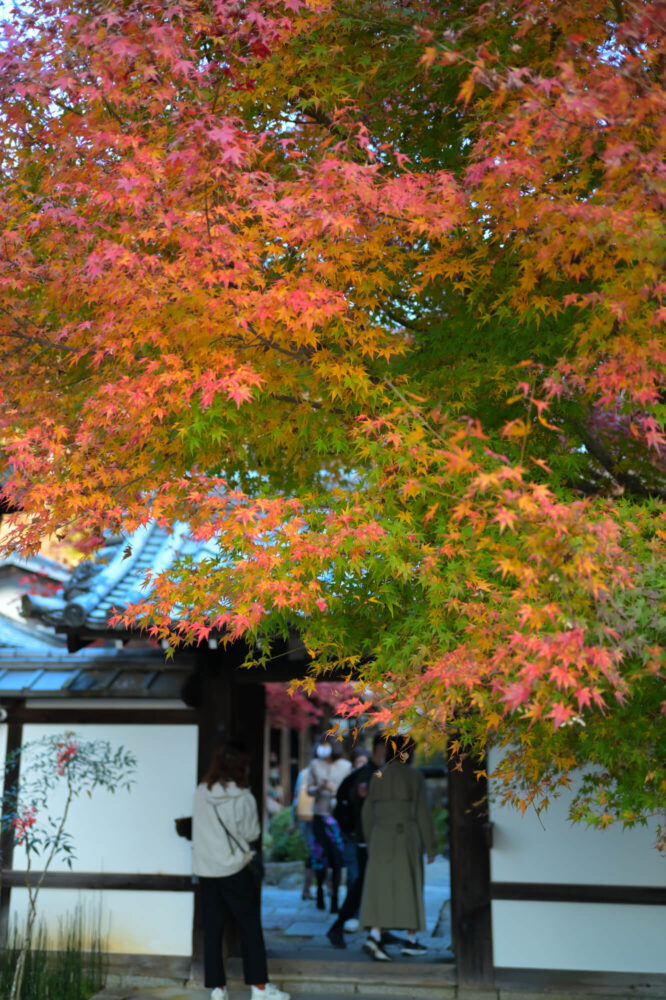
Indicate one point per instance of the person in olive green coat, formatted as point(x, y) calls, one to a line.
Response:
point(398, 830)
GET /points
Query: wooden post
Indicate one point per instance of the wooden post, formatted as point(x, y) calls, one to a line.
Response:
point(11, 778)
point(285, 764)
point(249, 715)
point(214, 710)
point(266, 768)
point(470, 875)
point(304, 748)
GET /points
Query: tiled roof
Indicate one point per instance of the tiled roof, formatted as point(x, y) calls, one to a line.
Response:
point(40, 565)
point(89, 673)
point(37, 665)
point(18, 635)
point(115, 578)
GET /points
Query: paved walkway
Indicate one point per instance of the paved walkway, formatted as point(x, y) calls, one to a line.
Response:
point(294, 928)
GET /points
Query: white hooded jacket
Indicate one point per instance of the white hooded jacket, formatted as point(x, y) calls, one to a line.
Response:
point(215, 852)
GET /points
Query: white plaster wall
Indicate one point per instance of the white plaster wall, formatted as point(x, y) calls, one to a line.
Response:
point(131, 832)
point(548, 848)
point(134, 923)
point(594, 936)
point(580, 936)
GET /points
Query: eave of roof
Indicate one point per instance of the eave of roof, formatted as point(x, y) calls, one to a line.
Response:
point(115, 578)
point(90, 673)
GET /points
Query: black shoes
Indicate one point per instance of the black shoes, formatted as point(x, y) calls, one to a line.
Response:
point(388, 937)
point(336, 937)
point(413, 948)
point(375, 950)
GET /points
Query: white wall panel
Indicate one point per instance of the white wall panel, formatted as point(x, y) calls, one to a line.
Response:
point(133, 832)
point(137, 923)
point(579, 936)
point(128, 832)
point(582, 936)
point(548, 848)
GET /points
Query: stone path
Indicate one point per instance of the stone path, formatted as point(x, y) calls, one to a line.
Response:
point(296, 928)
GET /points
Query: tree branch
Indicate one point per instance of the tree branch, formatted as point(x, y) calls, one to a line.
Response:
point(30, 338)
point(629, 482)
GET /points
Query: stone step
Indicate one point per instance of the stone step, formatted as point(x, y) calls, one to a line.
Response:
point(423, 980)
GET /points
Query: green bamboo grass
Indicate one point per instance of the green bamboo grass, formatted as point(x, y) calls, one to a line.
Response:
point(73, 967)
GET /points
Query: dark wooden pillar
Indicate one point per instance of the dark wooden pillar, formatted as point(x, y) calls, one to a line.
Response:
point(285, 764)
point(215, 670)
point(304, 748)
point(249, 713)
point(12, 768)
point(211, 694)
point(470, 875)
point(226, 710)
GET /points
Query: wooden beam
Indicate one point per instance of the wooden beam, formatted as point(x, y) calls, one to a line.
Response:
point(470, 875)
point(543, 982)
point(83, 715)
point(99, 880)
point(283, 670)
point(565, 892)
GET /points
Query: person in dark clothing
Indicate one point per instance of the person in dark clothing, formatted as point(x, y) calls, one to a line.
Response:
point(351, 795)
point(359, 757)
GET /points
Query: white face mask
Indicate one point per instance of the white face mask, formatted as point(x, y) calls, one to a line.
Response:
point(323, 750)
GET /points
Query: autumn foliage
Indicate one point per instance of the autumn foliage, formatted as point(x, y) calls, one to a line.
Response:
point(297, 709)
point(372, 294)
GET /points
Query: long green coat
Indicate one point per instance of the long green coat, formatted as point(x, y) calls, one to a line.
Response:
point(398, 831)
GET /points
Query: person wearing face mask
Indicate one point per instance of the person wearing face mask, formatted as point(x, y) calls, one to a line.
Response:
point(325, 774)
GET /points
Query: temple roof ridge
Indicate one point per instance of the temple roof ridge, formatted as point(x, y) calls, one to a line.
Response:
point(115, 577)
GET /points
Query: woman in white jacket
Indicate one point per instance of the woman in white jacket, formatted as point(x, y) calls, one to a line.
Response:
point(224, 824)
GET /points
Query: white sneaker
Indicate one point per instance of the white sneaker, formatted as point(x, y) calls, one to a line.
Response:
point(219, 993)
point(270, 993)
point(352, 925)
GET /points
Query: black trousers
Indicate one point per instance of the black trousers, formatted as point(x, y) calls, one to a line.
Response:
point(235, 894)
point(331, 853)
point(352, 901)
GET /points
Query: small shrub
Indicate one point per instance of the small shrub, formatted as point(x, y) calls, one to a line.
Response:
point(283, 844)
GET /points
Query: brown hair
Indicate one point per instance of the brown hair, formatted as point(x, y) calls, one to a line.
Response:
point(229, 763)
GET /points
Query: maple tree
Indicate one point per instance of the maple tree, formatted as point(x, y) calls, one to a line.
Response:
point(291, 707)
point(371, 293)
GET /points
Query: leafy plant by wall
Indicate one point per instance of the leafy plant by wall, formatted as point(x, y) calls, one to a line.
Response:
point(282, 842)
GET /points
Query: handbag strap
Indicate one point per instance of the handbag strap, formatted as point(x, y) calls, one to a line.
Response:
point(229, 834)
